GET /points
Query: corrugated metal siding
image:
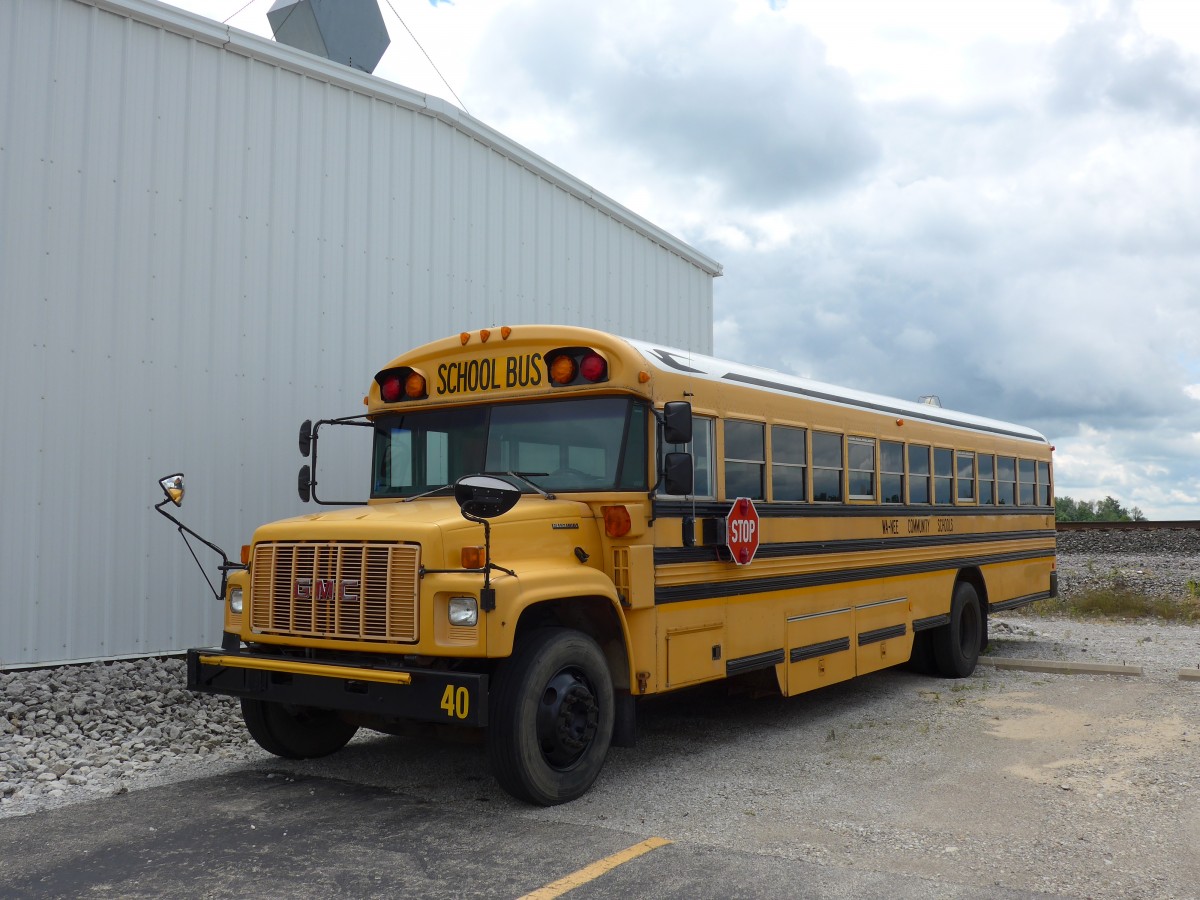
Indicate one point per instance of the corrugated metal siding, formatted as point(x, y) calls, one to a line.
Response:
point(200, 246)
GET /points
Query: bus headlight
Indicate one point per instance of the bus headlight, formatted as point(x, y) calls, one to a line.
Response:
point(464, 611)
point(235, 601)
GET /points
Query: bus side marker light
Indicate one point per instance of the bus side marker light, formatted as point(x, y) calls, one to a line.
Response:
point(617, 521)
point(643, 377)
point(472, 557)
point(899, 421)
point(245, 554)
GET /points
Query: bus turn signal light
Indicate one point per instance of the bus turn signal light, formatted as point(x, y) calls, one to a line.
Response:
point(616, 521)
point(472, 557)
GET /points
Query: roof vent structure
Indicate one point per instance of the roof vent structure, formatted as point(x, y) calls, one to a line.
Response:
point(930, 400)
point(350, 32)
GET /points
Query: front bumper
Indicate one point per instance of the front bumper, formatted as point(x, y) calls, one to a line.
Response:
point(411, 694)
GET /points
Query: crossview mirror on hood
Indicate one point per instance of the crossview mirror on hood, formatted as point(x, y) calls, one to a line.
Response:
point(485, 497)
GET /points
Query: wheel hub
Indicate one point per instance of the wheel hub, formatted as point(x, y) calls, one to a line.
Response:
point(567, 720)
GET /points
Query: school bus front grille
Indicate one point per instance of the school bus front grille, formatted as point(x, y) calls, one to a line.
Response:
point(360, 592)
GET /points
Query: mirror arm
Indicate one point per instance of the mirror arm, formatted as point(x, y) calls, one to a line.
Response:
point(345, 420)
point(226, 565)
point(659, 462)
point(487, 595)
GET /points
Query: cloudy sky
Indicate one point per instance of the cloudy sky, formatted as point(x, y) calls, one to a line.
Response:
point(995, 202)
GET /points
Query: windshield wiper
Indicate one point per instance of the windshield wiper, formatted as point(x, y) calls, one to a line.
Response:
point(524, 477)
point(429, 493)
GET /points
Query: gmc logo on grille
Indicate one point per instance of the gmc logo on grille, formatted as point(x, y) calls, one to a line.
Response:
point(345, 590)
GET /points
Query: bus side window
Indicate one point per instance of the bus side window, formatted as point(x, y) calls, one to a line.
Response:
point(987, 486)
point(701, 449)
point(827, 466)
point(745, 459)
point(1027, 480)
point(1043, 483)
point(788, 462)
point(860, 461)
point(891, 472)
point(943, 475)
point(1006, 481)
point(918, 473)
point(965, 476)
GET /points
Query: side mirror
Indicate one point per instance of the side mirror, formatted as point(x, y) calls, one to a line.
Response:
point(305, 437)
point(678, 476)
point(172, 486)
point(485, 497)
point(304, 483)
point(677, 422)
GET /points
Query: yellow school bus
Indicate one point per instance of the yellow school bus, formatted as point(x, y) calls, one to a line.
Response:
point(562, 521)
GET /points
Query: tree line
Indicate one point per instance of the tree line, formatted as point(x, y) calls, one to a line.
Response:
point(1067, 509)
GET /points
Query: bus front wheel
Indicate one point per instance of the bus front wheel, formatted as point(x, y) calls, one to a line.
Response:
point(551, 718)
point(295, 732)
point(956, 646)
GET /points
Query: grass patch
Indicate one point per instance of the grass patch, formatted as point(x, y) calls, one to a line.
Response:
point(1116, 598)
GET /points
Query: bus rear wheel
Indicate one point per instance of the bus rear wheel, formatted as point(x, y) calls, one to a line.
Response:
point(956, 646)
point(295, 732)
point(551, 718)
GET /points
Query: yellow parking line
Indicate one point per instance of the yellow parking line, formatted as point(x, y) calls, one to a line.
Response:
point(595, 870)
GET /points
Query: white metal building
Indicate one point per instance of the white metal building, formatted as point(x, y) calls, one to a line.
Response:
point(206, 237)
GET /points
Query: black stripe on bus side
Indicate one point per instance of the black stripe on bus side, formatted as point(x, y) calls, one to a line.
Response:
point(706, 590)
point(931, 622)
point(825, 648)
point(881, 634)
point(719, 509)
point(665, 556)
point(880, 407)
point(1018, 601)
point(751, 663)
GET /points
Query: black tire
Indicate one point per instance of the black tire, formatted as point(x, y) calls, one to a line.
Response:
point(295, 732)
point(551, 717)
point(956, 646)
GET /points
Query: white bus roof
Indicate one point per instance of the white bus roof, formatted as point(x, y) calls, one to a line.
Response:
point(712, 369)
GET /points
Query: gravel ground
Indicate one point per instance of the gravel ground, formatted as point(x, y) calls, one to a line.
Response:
point(77, 732)
point(1120, 813)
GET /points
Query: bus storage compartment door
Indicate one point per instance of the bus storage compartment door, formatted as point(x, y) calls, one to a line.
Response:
point(695, 653)
point(884, 633)
point(819, 650)
point(419, 695)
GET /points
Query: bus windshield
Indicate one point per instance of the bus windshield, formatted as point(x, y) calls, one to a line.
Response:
point(583, 444)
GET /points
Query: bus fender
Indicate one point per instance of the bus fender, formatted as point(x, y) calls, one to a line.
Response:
point(516, 596)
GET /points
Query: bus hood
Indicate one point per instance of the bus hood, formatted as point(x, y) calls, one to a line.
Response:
point(421, 521)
